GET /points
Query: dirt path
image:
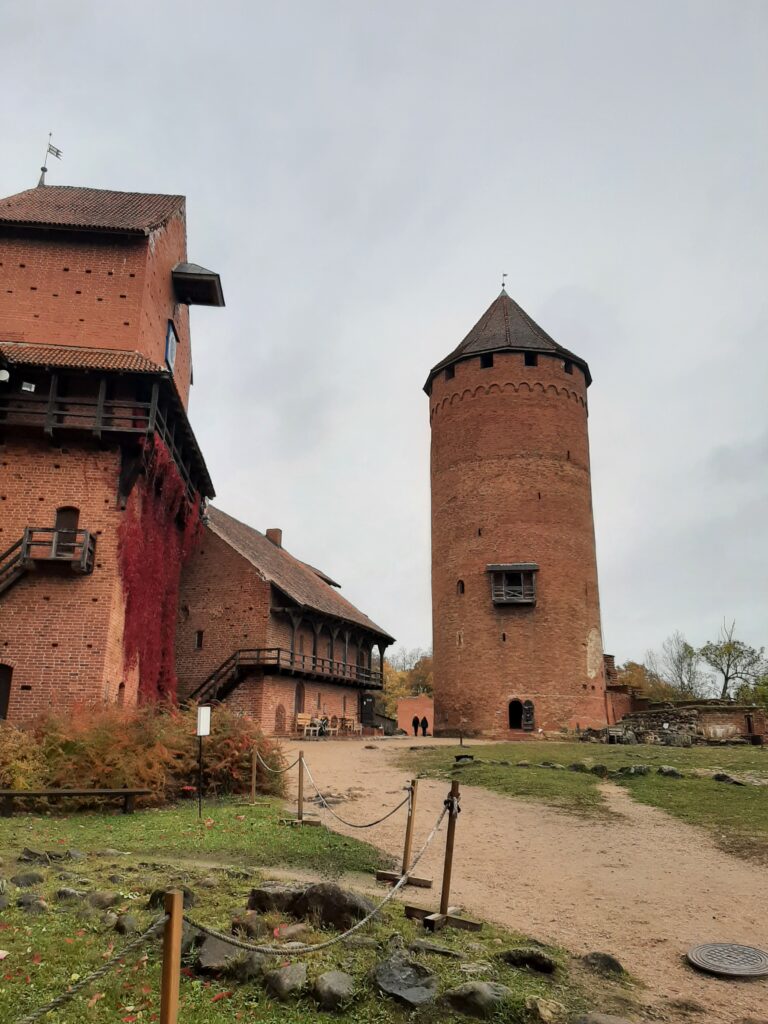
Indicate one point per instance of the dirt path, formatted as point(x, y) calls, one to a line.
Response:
point(642, 886)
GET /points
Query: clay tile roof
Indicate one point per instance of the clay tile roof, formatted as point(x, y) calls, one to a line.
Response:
point(95, 209)
point(296, 579)
point(18, 354)
point(506, 326)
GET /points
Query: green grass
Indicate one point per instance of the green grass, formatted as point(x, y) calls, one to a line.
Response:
point(231, 830)
point(737, 816)
point(48, 952)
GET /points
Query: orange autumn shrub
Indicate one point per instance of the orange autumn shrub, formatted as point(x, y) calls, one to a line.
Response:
point(151, 747)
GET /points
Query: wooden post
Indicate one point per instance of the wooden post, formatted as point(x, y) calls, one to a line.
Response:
point(300, 812)
point(407, 849)
point(253, 773)
point(449, 841)
point(169, 990)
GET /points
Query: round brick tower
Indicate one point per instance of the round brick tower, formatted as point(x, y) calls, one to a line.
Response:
point(515, 607)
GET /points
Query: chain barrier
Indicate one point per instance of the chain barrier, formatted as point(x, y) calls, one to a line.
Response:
point(72, 991)
point(301, 950)
point(276, 771)
point(351, 824)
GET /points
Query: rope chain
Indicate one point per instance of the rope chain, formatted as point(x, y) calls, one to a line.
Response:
point(301, 950)
point(72, 991)
point(351, 824)
point(276, 771)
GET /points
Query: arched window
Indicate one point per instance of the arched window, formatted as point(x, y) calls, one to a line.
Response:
point(67, 518)
point(460, 587)
point(515, 714)
point(299, 699)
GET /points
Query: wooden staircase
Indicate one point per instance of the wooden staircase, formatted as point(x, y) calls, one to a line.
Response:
point(12, 566)
point(40, 545)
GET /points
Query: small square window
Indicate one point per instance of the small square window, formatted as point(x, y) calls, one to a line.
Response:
point(568, 366)
point(486, 360)
point(450, 372)
point(531, 359)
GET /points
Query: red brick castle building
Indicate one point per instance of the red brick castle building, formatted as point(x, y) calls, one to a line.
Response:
point(516, 613)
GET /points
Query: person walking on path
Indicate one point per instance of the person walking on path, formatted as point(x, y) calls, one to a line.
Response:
point(415, 724)
point(424, 726)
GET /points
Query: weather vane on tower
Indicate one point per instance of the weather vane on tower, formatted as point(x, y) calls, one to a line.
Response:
point(51, 150)
point(504, 282)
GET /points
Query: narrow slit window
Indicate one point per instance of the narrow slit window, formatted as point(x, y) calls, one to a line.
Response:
point(199, 640)
point(460, 587)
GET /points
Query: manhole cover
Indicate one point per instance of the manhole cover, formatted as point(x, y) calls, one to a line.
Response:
point(729, 959)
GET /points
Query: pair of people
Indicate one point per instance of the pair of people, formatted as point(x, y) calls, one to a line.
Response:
point(423, 723)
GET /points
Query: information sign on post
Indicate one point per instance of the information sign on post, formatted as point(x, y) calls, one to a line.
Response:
point(203, 729)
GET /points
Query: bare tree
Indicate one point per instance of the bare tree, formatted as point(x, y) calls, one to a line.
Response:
point(679, 665)
point(734, 660)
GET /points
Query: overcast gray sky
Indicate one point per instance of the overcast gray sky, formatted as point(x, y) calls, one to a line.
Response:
point(361, 173)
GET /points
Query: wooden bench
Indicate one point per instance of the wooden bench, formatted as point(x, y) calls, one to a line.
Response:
point(305, 727)
point(128, 796)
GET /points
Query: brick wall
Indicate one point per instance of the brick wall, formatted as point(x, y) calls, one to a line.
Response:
point(511, 483)
point(260, 697)
point(60, 632)
point(104, 291)
point(223, 596)
point(421, 705)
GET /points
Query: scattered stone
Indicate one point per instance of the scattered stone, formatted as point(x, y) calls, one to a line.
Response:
point(332, 905)
point(481, 967)
point(334, 990)
point(578, 766)
point(477, 998)
point(419, 946)
point(395, 941)
point(104, 900)
point(246, 966)
point(209, 882)
point(548, 1011)
point(603, 963)
point(248, 924)
point(536, 959)
point(600, 770)
point(109, 919)
point(28, 856)
point(215, 955)
point(405, 980)
point(26, 879)
point(718, 777)
point(4, 902)
point(670, 771)
point(601, 1018)
point(286, 982)
point(523, 764)
point(191, 937)
point(274, 896)
point(362, 942)
point(69, 895)
point(370, 746)
point(157, 898)
point(109, 852)
point(31, 903)
point(463, 758)
point(294, 931)
point(3, 885)
point(116, 879)
point(635, 769)
point(126, 924)
point(505, 764)
point(76, 855)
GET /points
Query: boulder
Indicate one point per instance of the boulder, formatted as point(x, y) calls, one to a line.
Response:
point(334, 990)
point(31, 903)
point(249, 924)
point(109, 919)
point(578, 766)
point(70, 895)
point(76, 855)
point(603, 963)
point(215, 955)
point(126, 924)
point(191, 937)
point(115, 879)
point(523, 764)
point(526, 956)
point(4, 902)
point(28, 856)
point(635, 769)
point(26, 879)
point(294, 931)
point(273, 896)
point(480, 999)
point(286, 982)
point(548, 1011)
point(157, 898)
point(600, 770)
point(669, 771)
point(332, 905)
point(718, 777)
point(405, 980)
point(104, 900)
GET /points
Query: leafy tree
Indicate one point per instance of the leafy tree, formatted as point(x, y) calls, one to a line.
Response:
point(406, 673)
point(734, 660)
point(640, 677)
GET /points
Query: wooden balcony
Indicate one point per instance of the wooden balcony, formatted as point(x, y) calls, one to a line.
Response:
point(278, 659)
point(75, 548)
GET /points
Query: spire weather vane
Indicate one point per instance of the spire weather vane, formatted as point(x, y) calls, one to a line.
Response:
point(504, 281)
point(51, 150)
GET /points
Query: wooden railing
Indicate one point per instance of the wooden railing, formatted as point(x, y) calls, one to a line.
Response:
point(281, 660)
point(47, 544)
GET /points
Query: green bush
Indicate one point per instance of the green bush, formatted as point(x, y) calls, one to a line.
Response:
point(152, 747)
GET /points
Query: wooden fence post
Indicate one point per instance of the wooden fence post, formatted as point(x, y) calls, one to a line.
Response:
point(408, 848)
point(301, 788)
point(169, 990)
point(254, 753)
point(449, 841)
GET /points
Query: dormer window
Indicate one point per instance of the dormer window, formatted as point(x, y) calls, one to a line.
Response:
point(513, 582)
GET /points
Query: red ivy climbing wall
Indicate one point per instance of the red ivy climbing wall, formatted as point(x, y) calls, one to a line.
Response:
point(157, 535)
